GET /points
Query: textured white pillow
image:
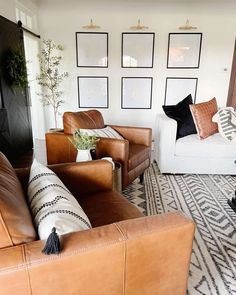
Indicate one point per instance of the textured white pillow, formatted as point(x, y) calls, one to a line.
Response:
point(107, 132)
point(52, 204)
point(226, 120)
point(215, 118)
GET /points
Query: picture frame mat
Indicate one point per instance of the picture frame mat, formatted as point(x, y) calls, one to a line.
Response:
point(178, 88)
point(184, 50)
point(93, 91)
point(92, 49)
point(136, 92)
point(137, 50)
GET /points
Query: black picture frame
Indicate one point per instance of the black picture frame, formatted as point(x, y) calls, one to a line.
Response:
point(93, 46)
point(180, 56)
point(139, 46)
point(179, 91)
point(104, 102)
point(127, 104)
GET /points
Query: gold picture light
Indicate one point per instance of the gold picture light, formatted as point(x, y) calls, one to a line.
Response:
point(187, 26)
point(91, 25)
point(138, 26)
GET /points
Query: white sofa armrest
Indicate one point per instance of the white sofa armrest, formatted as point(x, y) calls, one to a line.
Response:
point(165, 139)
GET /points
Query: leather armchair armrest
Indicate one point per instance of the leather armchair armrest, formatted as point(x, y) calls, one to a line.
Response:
point(80, 178)
point(148, 255)
point(136, 135)
point(59, 148)
point(118, 149)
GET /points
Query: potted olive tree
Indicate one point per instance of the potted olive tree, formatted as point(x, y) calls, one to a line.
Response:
point(50, 77)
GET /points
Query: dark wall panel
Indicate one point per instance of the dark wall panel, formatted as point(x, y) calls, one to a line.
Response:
point(16, 139)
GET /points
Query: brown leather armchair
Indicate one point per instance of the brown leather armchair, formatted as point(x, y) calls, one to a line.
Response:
point(124, 252)
point(133, 153)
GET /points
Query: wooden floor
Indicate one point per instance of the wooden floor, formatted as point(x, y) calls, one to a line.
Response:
point(39, 152)
point(24, 160)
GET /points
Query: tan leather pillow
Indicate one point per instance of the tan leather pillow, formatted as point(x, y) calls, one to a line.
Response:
point(16, 226)
point(202, 115)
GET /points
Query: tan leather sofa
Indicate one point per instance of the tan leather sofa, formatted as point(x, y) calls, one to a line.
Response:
point(133, 153)
point(124, 252)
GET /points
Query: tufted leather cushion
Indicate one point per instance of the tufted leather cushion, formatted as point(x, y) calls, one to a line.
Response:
point(85, 120)
point(202, 115)
point(16, 226)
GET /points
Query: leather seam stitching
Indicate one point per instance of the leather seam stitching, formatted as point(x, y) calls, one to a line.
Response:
point(56, 257)
point(26, 269)
point(125, 257)
point(6, 229)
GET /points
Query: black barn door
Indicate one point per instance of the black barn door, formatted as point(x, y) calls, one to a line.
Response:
point(15, 123)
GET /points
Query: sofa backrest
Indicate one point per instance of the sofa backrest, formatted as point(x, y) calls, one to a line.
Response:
point(16, 226)
point(91, 119)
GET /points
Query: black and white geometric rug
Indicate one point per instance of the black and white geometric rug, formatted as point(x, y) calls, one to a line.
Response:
point(204, 199)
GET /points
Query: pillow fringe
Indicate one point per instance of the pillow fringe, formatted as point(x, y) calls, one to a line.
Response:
point(52, 245)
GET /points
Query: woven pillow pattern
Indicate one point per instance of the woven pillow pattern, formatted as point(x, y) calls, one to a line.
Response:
point(107, 132)
point(202, 115)
point(52, 204)
point(226, 120)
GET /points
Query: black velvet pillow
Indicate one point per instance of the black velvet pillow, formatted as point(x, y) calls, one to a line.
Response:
point(182, 114)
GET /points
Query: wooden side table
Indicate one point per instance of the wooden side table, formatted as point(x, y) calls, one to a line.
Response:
point(117, 184)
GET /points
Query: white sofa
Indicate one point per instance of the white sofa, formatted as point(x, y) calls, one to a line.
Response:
point(213, 155)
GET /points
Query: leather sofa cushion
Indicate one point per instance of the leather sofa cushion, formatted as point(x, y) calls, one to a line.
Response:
point(138, 153)
point(16, 226)
point(108, 207)
point(87, 120)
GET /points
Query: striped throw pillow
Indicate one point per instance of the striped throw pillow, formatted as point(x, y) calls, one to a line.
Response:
point(52, 204)
point(226, 119)
point(107, 132)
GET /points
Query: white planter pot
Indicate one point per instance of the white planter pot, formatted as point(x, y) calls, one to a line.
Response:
point(83, 155)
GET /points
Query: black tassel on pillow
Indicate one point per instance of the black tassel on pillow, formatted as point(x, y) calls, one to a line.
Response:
point(52, 244)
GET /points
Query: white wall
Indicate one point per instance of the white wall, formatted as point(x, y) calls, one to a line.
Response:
point(8, 10)
point(59, 20)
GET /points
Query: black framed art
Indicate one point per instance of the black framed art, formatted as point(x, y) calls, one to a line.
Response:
point(136, 92)
point(184, 50)
point(137, 50)
point(178, 88)
point(93, 92)
point(92, 49)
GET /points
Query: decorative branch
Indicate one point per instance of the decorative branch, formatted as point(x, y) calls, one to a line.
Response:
point(50, 77)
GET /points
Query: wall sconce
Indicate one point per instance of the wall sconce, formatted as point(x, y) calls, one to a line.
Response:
point(187, 26)
point(91, 25)
point(138, 26)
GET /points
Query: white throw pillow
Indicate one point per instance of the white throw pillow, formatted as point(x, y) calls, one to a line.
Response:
point(107, 132)
point(52, 204)
point(226, 120)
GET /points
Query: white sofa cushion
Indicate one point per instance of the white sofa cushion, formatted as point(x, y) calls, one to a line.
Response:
point(215, 146)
